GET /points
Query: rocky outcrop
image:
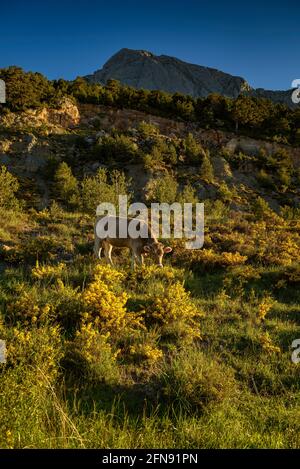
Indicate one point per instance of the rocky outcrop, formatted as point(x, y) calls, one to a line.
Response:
point(66, 115)
point(142, 69)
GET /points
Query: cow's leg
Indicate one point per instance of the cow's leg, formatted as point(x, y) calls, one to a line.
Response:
point(107, 253)
point(97, 248)
point(136, 256)
point(140, 259)
point(132, 260)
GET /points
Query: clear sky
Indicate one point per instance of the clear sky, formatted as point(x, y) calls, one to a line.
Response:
point(257, 40)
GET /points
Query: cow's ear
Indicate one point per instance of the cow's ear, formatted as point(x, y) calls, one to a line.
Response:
point(147, 248)
point(167, 249)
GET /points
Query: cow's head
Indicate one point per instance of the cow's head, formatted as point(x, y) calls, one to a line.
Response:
point(156, 251)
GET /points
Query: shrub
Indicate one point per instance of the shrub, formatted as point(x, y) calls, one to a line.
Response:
point(47, 271)
point(208, 259)
point(100, 188)
point(154, 159)
point(193, 381)
point(40, 346)
point(175, 313)
point(188, 195)
point(27, 307)
point(146, 353)
point(106, 309)
point(206, 169)
point(91, 356)
point(193, 150)
point(9, 185)
point(67, 303)
point(265, 306)
point(118, 148)
point(162, 190)
point(66, 185)
point(147, 130)
point(261, 208)
point(225, 193)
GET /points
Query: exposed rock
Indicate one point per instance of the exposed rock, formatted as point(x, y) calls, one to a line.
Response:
point(221, 168)
point(142, 69)
point(65, 116)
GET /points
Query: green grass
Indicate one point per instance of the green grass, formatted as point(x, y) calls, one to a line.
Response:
point(235, 387)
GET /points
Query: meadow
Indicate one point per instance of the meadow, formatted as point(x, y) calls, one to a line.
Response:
point(197, 354)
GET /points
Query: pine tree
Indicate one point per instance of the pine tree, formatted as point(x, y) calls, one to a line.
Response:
point(206, 170)
point(66, 184)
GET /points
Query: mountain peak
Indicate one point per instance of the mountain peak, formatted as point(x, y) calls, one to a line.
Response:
point(143, 69)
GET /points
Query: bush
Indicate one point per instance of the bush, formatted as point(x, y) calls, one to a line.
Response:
point(118, 148)
point(38, 347)
point(100, 188)
point(175, 313)
point(193, 381)
point(106, 309)
point(148, 130)
point(188, 195)
point(261, 208)
point(193, 151)
point(66, 185)
point(91, 356)
point(9, 185)
point(162, 190)
point(206, 170)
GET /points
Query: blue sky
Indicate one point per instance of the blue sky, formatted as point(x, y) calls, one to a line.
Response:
point(252, 39)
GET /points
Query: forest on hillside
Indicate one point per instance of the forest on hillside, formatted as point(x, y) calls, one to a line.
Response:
point(253, 116)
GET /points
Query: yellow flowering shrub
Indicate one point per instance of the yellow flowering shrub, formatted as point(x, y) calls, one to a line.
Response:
point(147, 352)
point(108, 275)
point(209, 259)
point(153, 272)
point(175, 312)
point(107, 309)
point(47, 271)
point(224, 259)
point(264, 307)
point(267, 344)
point(35, 347)
point(274, 245)
point(91, 353)
point(92, 343)
point(27, 308)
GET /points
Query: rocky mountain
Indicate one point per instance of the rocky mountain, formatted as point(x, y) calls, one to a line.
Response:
point(142, 69)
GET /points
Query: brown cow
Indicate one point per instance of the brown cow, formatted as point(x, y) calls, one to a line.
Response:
point(140, 247)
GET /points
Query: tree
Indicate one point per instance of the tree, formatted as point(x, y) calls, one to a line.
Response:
point(99, 188)
point(26, 89)
point(188, 195)
point(66, 185)
point(207, 170)
point(162, 190)
point(193, 150)
point(248, 111)
point(9, 185)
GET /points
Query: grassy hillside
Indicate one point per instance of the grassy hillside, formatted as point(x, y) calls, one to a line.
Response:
point(197, 354)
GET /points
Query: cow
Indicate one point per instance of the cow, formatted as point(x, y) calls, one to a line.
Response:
point(140, 246)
